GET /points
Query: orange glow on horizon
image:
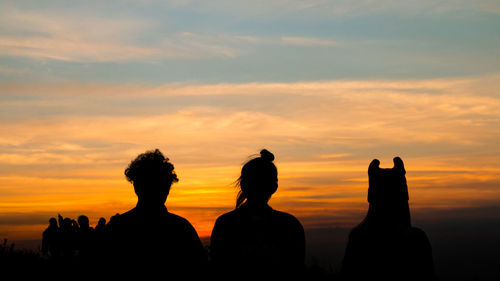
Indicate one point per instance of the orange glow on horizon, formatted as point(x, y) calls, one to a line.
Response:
point(208, 192)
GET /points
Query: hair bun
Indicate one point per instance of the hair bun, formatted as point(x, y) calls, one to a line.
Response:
point(266, 155)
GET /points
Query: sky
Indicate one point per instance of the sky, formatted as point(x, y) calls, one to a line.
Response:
point(327, 86)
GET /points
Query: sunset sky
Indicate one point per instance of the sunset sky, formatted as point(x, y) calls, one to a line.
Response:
point(327, 86)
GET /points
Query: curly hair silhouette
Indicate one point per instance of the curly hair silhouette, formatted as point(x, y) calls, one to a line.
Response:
point(149, 239)
point(152, 175)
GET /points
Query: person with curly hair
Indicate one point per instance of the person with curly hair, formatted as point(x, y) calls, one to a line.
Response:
point(149, 239)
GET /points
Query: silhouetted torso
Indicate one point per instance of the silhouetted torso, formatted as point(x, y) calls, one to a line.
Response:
point(388, 254)
point(68, 239)
point(85, 242)
point(258, 242)
point(157, 241)
point(51, 244)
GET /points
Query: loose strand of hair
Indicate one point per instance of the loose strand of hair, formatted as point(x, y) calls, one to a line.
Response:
point(240, 199)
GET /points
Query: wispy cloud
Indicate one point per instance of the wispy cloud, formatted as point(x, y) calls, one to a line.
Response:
point(333, 155)
point(80, 38)
point(397, 112)
point(71, 50)
point(83, 38)
point(307, 41)
point(69, 38)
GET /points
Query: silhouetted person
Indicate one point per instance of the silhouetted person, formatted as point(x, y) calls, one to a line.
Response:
point(99, 246)
point(85, 239)
point(84, 224)
point(255, 241)
point(148, 239)
point(101, 225)
point(385, 246)
point(51, 244)
point(68, 238)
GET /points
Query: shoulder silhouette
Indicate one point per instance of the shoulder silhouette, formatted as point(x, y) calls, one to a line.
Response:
point(255, 240)
point(384, 245)
point(148, 238)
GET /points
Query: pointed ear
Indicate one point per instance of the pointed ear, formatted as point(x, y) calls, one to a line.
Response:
point(398, 164)
point(374, 166)
point(372, 179)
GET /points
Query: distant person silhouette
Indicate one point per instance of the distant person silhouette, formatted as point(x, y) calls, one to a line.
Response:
point(384, 246)
point(255, 241)
point(85, 240)
point(84, 224)
point(101, 225)
point(51, 240)
point(99, 246)
point(148, 239)
point(68, 238)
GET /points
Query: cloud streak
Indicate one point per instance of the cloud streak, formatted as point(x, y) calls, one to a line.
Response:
point(83, 38)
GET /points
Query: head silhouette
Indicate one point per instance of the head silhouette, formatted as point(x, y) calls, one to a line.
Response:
point(53, 222)
point(152, 175)
point(83, 222)
point(101, 222)
point(67, 224)
point(388, 194)
point(258, 180)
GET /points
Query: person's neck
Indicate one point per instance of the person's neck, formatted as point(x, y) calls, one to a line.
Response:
point(257, 206)
point(149, 207)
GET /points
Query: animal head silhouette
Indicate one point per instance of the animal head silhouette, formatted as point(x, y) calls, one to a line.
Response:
point(387, 185)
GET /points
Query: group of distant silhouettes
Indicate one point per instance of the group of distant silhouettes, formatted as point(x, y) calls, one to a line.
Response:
point(253, 241)
point(66, 239)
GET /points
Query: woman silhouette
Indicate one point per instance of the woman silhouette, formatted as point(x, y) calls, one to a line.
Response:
point(254, 239)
